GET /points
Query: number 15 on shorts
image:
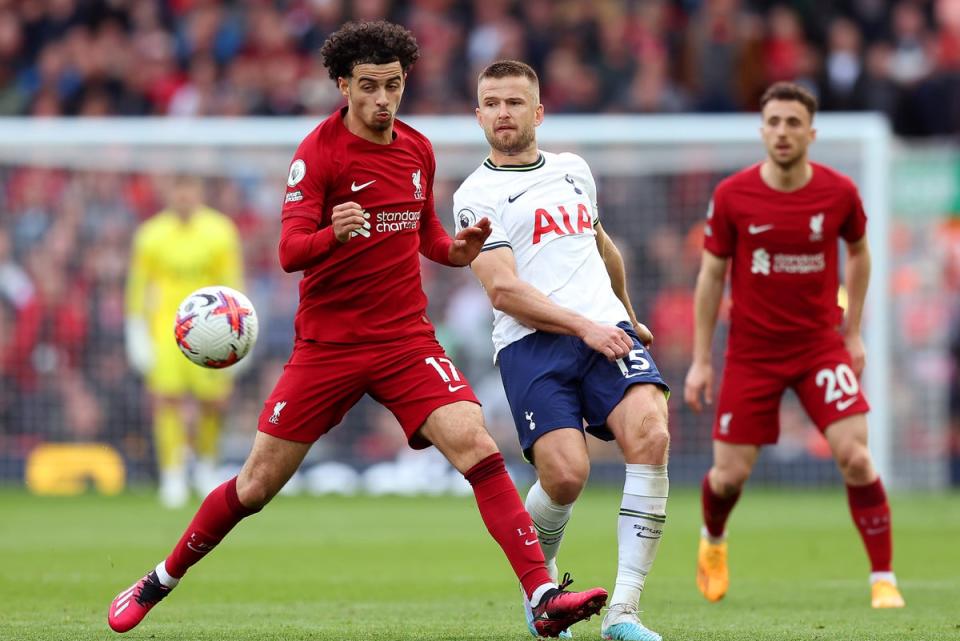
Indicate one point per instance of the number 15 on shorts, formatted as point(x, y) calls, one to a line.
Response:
point(634, 364)
point(447, 371)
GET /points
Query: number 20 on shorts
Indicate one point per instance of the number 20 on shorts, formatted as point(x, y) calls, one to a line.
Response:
point(837, 383)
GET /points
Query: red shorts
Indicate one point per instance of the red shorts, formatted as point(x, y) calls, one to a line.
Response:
point(820, 373)
point(411, 377)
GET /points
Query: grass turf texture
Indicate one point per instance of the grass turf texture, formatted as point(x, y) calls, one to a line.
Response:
point(424, 568)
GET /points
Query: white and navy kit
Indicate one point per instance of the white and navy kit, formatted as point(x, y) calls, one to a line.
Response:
point(545, 212)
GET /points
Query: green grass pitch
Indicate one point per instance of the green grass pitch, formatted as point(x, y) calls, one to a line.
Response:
point(424, 568)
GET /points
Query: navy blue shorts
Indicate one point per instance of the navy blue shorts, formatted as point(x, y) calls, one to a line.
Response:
point(554, 381)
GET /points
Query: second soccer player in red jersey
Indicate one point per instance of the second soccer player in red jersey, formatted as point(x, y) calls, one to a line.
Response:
point(778, 224)
point(357, 213)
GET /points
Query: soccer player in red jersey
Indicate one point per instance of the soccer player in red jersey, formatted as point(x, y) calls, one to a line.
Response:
point(358, 210)
point(778, 224)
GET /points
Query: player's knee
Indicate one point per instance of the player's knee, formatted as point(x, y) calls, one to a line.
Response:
point(256, 490)
point(564, 486)
point(468, 448)
point(856, 465)
point(651, 441)
point(656, 435)
point(479, 441)
point(727, 481)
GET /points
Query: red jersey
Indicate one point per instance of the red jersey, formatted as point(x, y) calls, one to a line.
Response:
point(367, 289)
point(784, 251)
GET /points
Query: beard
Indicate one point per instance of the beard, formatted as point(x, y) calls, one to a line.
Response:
point(522, 140)
point(788, 163)
point(381, 125)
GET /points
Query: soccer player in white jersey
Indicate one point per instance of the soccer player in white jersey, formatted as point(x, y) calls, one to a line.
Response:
point(569, 347)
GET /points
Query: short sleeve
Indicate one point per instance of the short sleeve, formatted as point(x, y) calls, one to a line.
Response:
point(719, 234)
point(469, 207)
point(854, 225)
point(591, 184)
point(306, 181)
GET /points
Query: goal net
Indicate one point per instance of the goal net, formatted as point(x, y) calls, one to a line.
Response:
point(72, 192)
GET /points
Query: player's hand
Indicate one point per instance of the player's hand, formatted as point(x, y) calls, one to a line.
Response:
point(468, 243)
point(643, 333)
point(699, 382)
point(858, 352)
point(609, 340)
point(138, 344)
point(347, 218)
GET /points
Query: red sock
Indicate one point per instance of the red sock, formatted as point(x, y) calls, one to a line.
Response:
point(218, 513)
point(507, 521)
point(871, 515)
point(716, 509)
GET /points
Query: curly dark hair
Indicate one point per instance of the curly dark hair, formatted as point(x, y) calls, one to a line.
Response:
point(379, 42)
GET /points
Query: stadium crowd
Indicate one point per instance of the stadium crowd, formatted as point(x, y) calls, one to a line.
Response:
point(65, 234)
point(253, 57)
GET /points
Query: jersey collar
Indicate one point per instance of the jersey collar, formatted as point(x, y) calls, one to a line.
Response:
point(536, 164)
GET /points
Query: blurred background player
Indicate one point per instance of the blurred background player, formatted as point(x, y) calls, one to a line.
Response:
point(361, 327)
point(183, 247)
point(777, 224)
point(568, 343)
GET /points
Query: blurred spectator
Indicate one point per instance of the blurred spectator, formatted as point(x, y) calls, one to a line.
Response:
point(844, 78)
point(99, 58)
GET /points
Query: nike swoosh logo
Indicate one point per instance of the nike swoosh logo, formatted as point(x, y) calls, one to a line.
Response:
point(759, 229)
point(842, 405)
point(510, 199)
point(530, 542)
point(454, 389)
point(355, 187)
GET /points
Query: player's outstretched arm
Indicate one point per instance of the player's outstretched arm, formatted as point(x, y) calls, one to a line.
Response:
point(497, 271)
point(613, 261)
point(706, 306)
point(856, 279)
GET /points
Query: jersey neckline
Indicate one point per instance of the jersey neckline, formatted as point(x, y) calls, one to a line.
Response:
point(814, 177)
point(536, 164)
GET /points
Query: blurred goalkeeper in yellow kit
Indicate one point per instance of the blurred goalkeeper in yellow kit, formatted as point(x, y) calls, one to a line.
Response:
point(181, 248)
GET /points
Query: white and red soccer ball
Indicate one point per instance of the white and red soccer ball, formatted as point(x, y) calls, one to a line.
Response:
point(216, 326)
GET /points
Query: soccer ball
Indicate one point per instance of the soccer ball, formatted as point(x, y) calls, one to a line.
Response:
point(216, 326)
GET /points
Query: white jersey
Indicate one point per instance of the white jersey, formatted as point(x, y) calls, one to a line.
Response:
point(545, 212)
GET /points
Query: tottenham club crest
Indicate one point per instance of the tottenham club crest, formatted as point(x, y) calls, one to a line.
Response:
point(297, 171)
point(417, 187)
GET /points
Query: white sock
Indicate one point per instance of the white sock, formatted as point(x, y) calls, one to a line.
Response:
point(883, 576)
point(539, 592)
point(550, 519)
point(164, 576)
point(643, 514)
point(713, 540)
